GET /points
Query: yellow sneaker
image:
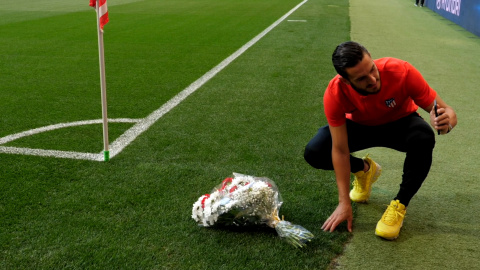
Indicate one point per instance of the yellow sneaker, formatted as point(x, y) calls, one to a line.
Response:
point(362, 185)
point(389, 225)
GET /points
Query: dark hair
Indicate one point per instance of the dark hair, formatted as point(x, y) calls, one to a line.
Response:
point(346, 55)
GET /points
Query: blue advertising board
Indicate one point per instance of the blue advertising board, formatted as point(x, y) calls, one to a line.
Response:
point(465, 13)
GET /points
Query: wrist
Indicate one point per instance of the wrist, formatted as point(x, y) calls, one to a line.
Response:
point(344, 201)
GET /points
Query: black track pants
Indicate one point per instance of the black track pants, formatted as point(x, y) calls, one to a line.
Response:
point(411, 135)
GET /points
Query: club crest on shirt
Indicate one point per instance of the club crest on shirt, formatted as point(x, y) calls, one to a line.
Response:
point(390, 102)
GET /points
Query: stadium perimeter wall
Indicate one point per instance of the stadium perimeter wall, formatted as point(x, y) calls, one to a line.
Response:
point(465, 13)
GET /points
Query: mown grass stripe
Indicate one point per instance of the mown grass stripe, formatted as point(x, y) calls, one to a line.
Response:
point(131, 134)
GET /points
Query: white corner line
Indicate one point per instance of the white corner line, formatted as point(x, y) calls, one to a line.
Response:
point(51, 153)
point(19, 135)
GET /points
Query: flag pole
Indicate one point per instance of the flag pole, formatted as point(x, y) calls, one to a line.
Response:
point(103, 85)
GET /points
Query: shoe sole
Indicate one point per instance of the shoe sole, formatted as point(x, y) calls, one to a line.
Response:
point(377, 233)
point(386, 238)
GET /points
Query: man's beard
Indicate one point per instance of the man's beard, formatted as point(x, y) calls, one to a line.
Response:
point(361, 91)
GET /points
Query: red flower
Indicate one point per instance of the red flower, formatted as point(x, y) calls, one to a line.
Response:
point(225, 183)
point(206, 196)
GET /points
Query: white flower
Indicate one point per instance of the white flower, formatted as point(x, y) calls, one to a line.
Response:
point(250, 195)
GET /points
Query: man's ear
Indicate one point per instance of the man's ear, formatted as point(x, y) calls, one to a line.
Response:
point(345, 81)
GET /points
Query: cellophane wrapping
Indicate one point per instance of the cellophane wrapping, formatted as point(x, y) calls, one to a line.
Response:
point(244, 200)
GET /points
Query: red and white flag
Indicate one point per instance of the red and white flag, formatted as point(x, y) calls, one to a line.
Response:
point(102, 9)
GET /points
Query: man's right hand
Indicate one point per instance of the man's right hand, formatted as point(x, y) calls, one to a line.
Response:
point(342, 212)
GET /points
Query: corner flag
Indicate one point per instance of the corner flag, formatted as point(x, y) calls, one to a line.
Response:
point(103, 12)
point(102, 19)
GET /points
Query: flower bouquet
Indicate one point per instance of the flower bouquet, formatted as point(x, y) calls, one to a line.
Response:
point(247, 200)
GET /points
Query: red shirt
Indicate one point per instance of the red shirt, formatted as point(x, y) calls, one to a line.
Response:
point(403, 90)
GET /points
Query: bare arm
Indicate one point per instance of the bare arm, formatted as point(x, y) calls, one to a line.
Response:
point(447, 118)
point(341, 164)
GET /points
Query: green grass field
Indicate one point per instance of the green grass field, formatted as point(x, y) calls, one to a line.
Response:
point(133, 212)
point(254, 117)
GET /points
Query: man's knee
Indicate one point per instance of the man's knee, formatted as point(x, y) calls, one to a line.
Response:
point(318, 156)
point(422, 138)
point(318, 151)
point(310, 156)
